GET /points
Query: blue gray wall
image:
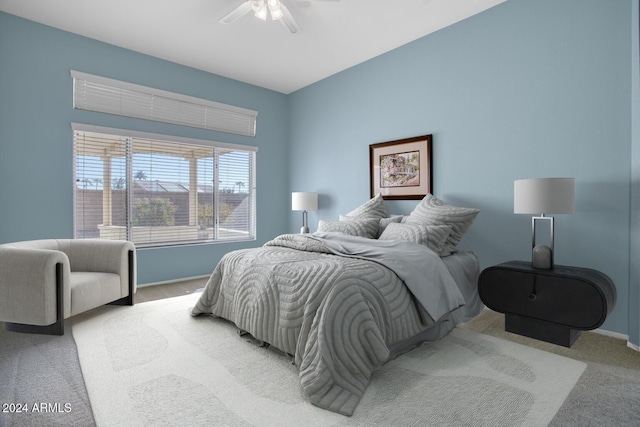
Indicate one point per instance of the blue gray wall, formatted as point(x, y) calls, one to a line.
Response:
point(36, 169)
point(526, 89)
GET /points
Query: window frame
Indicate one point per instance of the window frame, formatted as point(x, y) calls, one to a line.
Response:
point(216, 148)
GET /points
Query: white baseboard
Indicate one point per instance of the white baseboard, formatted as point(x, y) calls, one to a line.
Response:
point(618, 336)
point(168, 282)
point(610, 334)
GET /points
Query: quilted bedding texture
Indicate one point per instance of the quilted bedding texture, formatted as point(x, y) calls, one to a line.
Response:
point(337, 314)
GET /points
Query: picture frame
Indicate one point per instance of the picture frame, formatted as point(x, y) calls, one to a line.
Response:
point(402, 169)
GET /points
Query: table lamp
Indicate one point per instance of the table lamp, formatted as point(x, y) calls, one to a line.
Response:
point(304, 201)
point(542, 196)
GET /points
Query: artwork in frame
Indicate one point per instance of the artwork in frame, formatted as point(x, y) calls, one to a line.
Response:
point(401, 169)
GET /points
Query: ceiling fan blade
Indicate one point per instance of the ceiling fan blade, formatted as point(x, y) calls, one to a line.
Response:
point(289, 21)
point(236, 13)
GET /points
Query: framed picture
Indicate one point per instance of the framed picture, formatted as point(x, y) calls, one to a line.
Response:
point(401, 169)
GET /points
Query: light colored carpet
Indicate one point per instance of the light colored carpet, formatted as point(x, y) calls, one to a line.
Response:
point(153, 364)
point(608, 392)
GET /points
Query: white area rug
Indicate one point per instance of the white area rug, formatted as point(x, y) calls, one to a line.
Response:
point(154, 364)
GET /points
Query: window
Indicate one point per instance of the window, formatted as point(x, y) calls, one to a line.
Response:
point(161, 190)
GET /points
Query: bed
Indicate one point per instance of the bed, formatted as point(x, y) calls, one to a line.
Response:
point(353, 295)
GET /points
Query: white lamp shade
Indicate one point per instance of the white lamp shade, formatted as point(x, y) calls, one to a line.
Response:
point(304, 201)
point(544, 196)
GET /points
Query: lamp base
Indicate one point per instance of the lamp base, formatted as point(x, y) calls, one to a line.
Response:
point(304, 230)
point(541, 257)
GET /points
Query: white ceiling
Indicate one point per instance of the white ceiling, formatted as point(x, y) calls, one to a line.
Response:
point(335, 36)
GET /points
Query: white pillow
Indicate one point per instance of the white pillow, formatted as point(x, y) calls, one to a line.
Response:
point(433, 211)
point(367, 227)
point(373, 208)
point(432, 236)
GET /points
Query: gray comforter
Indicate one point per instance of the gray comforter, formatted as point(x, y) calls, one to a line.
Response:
point(335, 302)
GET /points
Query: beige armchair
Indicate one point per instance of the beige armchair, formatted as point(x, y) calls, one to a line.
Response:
point(43, 282)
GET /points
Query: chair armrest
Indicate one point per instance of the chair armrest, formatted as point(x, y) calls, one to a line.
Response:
point(105, 256)
point(28, 285)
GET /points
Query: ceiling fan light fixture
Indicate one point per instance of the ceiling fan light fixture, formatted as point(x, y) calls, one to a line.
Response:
point(276, 14)
point(262, 9)
point(275, 9)
point(262, 13)
point(256, 5)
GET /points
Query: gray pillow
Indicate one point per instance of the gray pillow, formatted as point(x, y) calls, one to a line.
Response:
point(384, 222)
point(381, 223)
point(356, 227)
point(433, 211)
point(432, 236)
point(373, 208)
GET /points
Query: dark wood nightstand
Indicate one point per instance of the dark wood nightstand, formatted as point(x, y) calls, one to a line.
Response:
point(550, 305)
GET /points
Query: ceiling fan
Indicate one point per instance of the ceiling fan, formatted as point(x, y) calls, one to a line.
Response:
point(263, 8)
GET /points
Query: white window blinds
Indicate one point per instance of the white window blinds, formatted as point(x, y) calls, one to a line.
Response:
point(156, 191)
point(101, 94)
